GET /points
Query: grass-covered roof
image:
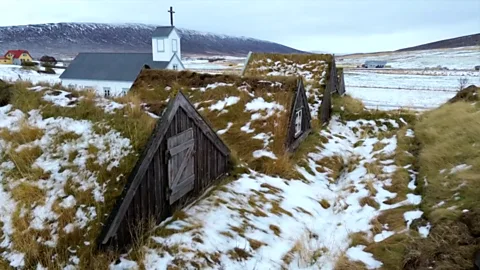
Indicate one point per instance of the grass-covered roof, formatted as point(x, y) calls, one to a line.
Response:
point(250, 114)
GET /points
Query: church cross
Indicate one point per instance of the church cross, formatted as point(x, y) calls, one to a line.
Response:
point(171, 15)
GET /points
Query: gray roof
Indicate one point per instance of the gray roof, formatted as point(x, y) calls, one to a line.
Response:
point(162, 31)
point(110, 66)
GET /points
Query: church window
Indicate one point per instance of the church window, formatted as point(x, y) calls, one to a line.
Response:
point(160, 45)
point(175, 67)
point(174, 45)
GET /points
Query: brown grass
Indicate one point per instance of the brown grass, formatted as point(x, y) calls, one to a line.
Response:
point(28, 194)
point(343, 263)
point(150, 88)
point(131, 123)
point(239, 254)
point(359, 238)
point(448, 137)
point(254, 244)
point(335, 165)
point(276, 230)
point(369, 201)
point(325, 204)
point(23, 161)
point(371, 189)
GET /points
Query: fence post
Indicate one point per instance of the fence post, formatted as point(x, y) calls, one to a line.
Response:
point(246, 62)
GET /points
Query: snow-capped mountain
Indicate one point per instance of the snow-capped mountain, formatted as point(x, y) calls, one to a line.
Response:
point(67, 39)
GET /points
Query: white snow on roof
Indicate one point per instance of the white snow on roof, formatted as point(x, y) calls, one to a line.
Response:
point(222, 104)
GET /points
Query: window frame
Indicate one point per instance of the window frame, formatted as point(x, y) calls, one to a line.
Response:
point(106, 92)
point(174, 48)
point(163, 45)
point(298, 122)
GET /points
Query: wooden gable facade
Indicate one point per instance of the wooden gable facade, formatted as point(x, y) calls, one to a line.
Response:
point(331, 88)
point(183, 157)
point(299, 124)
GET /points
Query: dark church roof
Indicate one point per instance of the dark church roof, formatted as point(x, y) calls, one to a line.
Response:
point(110, 66)
point(162, 31)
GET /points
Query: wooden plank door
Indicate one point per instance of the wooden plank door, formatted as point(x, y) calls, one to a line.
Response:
point(181, 164)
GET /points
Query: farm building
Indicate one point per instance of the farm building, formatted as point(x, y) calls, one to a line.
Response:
point(261, 120)
point(257, 119)
point(374, 64)
point(183, 157)
point(317, 69)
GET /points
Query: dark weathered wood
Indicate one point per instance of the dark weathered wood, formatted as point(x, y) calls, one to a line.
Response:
point(147, 189)
point(181, 174)
point(341, 84)
point(331, 87)
point(299, 103)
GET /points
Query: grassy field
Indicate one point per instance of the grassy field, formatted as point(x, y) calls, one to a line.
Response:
point(440, 149)
point(222, 100)
point(78, 139)
point(449, 180)
point(445, 153)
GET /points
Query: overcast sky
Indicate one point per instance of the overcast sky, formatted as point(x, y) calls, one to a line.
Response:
point(339, 26)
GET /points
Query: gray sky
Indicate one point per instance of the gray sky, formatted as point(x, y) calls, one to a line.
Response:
point(340, 26)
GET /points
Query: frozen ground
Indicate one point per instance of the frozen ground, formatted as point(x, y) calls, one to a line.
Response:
point(391, 91)
point(265, 222)
point(459, 58)
point(409, 84)
point(13, 73)
point(230, 63)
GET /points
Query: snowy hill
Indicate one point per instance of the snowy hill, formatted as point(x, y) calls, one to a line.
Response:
point(67, 39)
point(464, 41)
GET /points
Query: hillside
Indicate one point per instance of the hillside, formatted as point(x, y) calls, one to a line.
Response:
point(464, 41)
point(67, 39)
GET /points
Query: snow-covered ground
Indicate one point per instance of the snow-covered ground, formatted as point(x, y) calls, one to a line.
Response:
point(458, 58)
point(265, 222)
point(230, 63)
point(14, 72)
point(390, 91)
point(409, 84)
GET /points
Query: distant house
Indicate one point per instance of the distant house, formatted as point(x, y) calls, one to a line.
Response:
point(374, 64)
point(16, 57)
point(5, 61)
point(112, 74)
point(48, 60)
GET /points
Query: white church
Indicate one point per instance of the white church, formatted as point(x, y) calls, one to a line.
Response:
point(112, 74)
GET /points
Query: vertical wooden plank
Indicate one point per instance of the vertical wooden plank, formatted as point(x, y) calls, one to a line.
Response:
point(158, 185)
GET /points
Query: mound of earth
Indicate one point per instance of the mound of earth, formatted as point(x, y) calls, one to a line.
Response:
point(5, 93)
point(468, 94)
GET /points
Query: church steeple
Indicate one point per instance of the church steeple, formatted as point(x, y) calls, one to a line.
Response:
point(171, 15)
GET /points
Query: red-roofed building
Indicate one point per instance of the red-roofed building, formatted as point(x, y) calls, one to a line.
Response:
point(17, 57)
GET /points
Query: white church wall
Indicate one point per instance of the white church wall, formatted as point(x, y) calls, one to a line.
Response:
point(177, 62)
point(115, 88)
point(167, 44)
point(174, 35)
